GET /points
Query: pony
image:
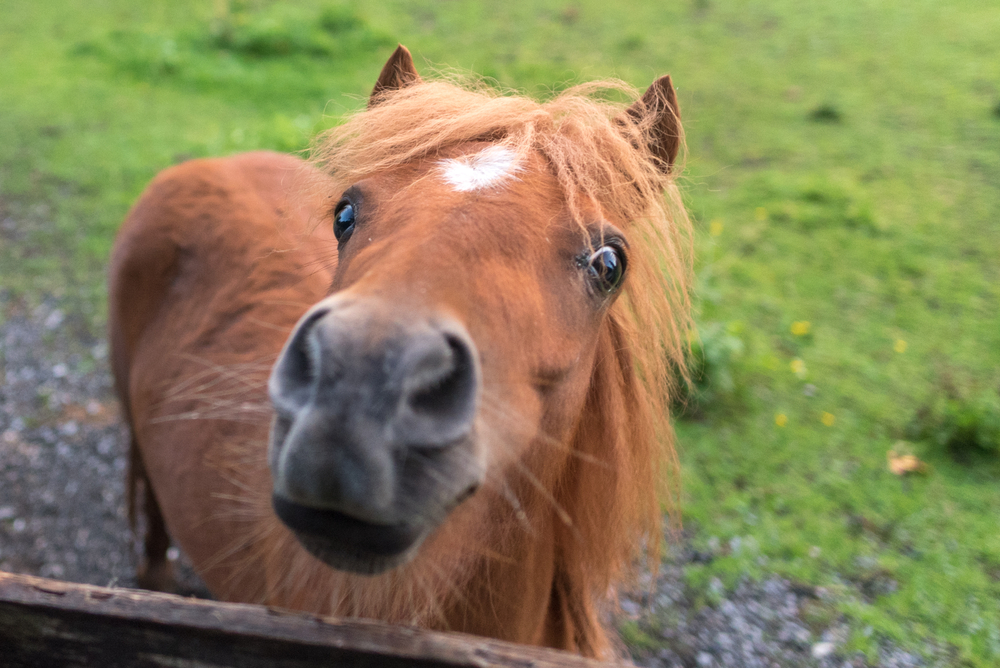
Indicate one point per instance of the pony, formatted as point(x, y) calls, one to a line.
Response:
point(422, 377)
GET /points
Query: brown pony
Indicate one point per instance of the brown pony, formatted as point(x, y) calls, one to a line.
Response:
point(468, 316)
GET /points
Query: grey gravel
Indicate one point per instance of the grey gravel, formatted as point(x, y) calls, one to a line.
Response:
point(755, 625)
point(63, 452)
point(63, 457)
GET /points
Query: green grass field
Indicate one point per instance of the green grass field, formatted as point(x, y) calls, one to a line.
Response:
point(843, 171)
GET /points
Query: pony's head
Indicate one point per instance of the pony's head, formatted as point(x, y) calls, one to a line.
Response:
point(509, 294)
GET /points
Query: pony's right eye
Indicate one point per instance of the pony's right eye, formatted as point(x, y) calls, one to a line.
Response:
point(343, 221)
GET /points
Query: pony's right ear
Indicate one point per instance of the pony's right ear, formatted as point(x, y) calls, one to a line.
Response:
point(398, 72)
point(659, 116)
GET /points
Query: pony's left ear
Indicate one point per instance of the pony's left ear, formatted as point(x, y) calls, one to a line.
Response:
point(659, 115)
point(398, 72)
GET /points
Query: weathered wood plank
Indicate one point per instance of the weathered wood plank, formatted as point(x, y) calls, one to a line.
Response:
point(52, 623)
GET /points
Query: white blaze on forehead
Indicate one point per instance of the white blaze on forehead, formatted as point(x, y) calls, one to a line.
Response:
point(487, 169)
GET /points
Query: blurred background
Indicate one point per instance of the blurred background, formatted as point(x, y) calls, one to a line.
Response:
point(841, 444)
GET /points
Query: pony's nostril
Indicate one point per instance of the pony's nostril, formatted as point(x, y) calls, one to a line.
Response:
point(442, 392)
point(299, 368)
point(448, 391)
point(295, 372)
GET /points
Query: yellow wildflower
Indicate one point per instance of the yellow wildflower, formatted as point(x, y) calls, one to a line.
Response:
point(760, 214)
point(828, 419)
point(781, 419)
point(798, 367)
point(899, 346)
point(801, 327)
point(715, 227)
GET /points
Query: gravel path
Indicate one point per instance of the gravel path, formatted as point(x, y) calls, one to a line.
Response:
point(62, 451)
point(63, 515)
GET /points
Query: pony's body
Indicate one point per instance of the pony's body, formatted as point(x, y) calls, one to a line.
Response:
point(191, 371)
point(520, 472)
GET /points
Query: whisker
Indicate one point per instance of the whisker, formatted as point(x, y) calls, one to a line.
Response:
point(435, 609)
point(546, 494)
point(542, 437)
point(522, 517)
point(224, 372)
point(285, 302)
point(268, 325)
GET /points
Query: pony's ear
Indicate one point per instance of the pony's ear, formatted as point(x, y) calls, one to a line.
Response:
point(397, 73)
point(659, 116)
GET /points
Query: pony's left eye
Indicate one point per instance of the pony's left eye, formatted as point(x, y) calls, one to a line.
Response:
point(606, 268)
point(343, 221)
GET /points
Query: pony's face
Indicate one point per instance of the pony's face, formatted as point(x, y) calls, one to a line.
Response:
point(459, 335)
point(458, 343)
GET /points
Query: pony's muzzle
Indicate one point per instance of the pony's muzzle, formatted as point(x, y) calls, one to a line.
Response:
point(374, 419)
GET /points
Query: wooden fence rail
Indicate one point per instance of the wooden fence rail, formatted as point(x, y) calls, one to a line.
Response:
point(52, 623)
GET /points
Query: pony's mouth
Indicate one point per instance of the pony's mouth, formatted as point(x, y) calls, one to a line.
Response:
point(347, 543)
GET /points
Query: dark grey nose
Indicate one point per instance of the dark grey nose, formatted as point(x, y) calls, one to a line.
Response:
point(363, 398)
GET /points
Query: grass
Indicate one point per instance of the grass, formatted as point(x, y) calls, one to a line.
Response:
point(843, 171)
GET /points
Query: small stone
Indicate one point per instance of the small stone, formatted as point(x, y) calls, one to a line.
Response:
point(20, 524)
point(6, 512)
point(54, 320)
point(705, 660)
point(10, 436)
point(60, 370)
point(815, 551)
point(630, 608)
point(70, 428)
point(729, 609)
point(53, 571)
point(822, 649)
point(866, 562)
point(809, 390)
point(105, 445)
